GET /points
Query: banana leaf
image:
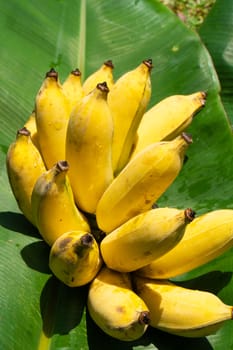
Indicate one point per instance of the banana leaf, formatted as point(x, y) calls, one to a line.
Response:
point(216, 33)
point(37, 311)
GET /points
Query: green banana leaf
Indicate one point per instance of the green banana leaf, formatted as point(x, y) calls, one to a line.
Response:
point(216, 33)
point(37, 311)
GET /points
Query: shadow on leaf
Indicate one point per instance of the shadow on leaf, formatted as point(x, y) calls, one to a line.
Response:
point(96, 336)
point(213, 281)
point(153, 338)
point(61, 307)
point(36, 256)
point(166, 341)
point(18, 223)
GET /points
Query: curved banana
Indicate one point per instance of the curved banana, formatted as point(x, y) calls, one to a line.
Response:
point(167, 119)
point(24, 166)
point(144, 238)
point(128, 100)
point(31, 126)
point(52, 114)
point(53, 204)
point(205, 238)
point(141, 182)
point(88, 148)
point(181, 311)
point(104, 73)
point(115, 308)
point(72, 88)
point(74, 258)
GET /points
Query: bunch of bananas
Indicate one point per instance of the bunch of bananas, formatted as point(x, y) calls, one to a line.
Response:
point(86, 169)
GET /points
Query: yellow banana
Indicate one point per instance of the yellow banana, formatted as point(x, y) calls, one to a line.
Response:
point(205, 238)
point(74, 258)
point(24, 166)
point(88, 148)
point(141, 182)
point(167, 119)
point(144, 238)
point(31, 126)
point(72, 88)
point(53, 204)
point(52, 114)
point(128, 100)
point(104, 73)
point(181, 311)
point(115, 308)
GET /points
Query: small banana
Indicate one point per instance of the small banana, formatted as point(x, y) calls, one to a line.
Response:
point(31, 126)
point(205, 238)
point(72, 88)
point(167, 119)
point(143, 180)
point(88, 148)
point(182, 311)
point(74, 258)
point(128, 100)
point(53, 204)
point(144, 238)
point(104, 73)
point(24, 166)
point(52, 114)
point(115, 308)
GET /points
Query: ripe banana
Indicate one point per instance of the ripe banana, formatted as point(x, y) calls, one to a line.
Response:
point(72, 88)
point(144, 238)
point(24, 166)
point(128, 100)
point(205, 238)
point(143, 180)
point(104, 73)
point(74, 258)
point(115, 308)
point(53, 204)
point(181, 311)
point(31, 126)
point(52, 114)
point(167, 119)
point(88, 148)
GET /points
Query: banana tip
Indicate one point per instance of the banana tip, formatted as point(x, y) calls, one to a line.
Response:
point(87, 240)
point(24, 131)
point(62, 165)
point(148, 63)
point(144, 317)
point(187, 137)
point(103, 87)
point(190, 214)
point(109, 64)
point(76, 72)
point(52, 74)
